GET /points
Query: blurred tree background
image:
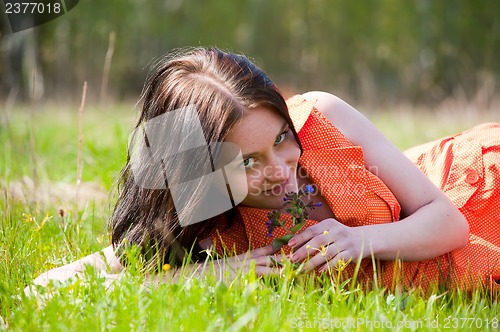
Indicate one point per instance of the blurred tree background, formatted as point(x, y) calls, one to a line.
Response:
point(373, 51)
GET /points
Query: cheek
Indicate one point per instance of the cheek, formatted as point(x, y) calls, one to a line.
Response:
point(293, 154)
point(297, 155)
point(254, 182)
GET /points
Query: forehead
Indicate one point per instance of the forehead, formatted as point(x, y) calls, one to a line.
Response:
point(256, 124)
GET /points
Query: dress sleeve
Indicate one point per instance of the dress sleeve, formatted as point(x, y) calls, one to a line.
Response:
point(299, 109)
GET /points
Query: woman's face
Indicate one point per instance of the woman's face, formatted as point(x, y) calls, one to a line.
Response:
point(270, 157)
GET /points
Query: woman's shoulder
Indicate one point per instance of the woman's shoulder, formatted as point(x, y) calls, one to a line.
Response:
point(339, 113)
point(349, 124)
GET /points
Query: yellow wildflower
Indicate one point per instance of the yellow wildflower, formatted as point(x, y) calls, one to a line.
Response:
point(342, 264)
point(323, 250)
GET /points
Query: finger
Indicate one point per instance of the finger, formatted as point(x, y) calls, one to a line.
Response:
point(278, 259)
point(281, 257)
point(272, 260)
point(310, 232)
point(323, 256)
point(263, 270)
point(338, 263)
point(263, 251)
point(299, 239)
point(263, 261)
point(312, 247)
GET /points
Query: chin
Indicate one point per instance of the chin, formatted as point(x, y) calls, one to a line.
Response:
point(271, 202)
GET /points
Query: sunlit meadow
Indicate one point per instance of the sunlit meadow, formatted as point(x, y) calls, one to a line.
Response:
point(47, 220)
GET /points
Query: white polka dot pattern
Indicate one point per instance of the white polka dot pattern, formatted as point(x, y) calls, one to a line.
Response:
point(358, 197)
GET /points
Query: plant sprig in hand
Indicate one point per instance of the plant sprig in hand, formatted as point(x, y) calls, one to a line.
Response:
point(298, 209)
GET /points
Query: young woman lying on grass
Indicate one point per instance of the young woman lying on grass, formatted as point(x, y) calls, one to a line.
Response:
point(427, 216)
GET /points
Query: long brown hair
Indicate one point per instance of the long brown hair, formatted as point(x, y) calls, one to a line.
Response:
point(221, 86)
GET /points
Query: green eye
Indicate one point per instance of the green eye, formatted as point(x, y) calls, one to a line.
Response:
point(247, 163)
point(280, 138)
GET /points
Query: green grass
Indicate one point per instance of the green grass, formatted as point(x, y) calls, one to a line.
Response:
point(38, 167)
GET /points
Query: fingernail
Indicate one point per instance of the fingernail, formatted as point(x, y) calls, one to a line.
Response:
point(292, 243)
point(294, 258)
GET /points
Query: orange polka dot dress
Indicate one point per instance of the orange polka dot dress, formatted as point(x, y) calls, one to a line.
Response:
point(466, 167)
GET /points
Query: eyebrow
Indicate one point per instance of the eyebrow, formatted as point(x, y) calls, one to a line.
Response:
point(252, 154)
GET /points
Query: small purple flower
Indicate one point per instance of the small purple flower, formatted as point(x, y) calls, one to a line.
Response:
point(295, 206)
point(309, 189)
point(271, 224)
point(318, 204)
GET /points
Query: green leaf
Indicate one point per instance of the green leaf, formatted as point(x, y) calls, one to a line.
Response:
point(297, 227)
point(276, 222)
point(281, 241)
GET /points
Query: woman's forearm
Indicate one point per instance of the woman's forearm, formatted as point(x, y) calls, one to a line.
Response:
point(104, 260)
point(431, 231)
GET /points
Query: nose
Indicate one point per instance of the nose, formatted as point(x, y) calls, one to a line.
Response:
point(277, 170)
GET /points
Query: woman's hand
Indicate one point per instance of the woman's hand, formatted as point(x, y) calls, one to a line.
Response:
point(104, 261)
point(431, 224)
point(230, 267)
point(327, 243)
